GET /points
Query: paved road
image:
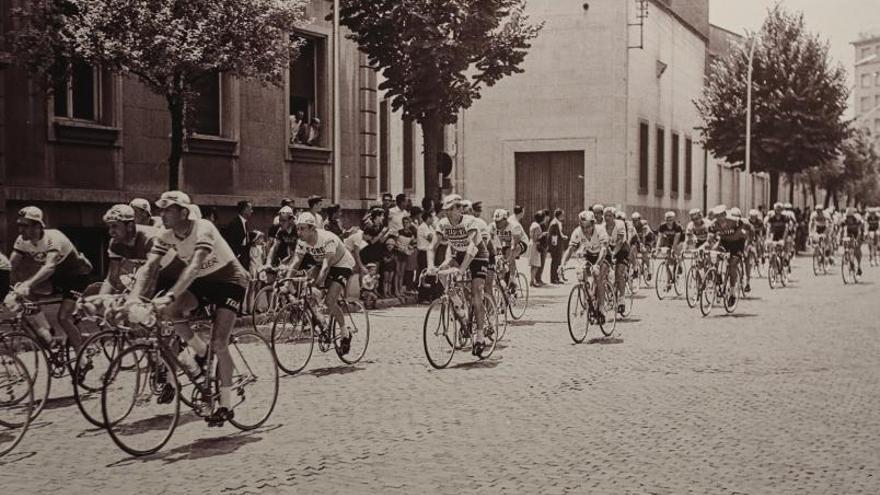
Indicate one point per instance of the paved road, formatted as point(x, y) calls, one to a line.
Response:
point(782, 397)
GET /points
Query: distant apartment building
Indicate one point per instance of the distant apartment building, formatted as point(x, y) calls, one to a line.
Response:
point(867, 82)
point(102, 139)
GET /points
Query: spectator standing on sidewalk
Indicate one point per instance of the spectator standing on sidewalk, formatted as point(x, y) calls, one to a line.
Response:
point(315, 208)
point(424, 239)
point(557, 245)
point(334, 222)
point(535, 236)
point(406, 240)
point(237, 232)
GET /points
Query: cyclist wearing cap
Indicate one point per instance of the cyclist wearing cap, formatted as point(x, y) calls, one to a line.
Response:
point(758, 233)
point(618, 251)
point(212, 275)
point(641, 242)
point(819, 227)
point(670, 234)
point(143, 214)
point(729, 232)
point(284, 239)
point(336, 267)
point(779, 228)
point(872, 227)
point(60, 263)
point(486, 236)
point(697, 230)
point(853, 227)
point(130, 244)
point(590, 242)
point(467, 250)
point(509, 239)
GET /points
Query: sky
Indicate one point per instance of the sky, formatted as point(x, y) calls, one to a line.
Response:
point(838, 21)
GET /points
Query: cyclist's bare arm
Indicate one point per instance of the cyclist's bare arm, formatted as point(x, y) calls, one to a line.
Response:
point(146, 276)
point(112, 277)
point(189, 274)
point(45, 271)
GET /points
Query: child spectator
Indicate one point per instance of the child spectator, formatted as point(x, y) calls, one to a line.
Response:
point(406, 242)
point(389, 267)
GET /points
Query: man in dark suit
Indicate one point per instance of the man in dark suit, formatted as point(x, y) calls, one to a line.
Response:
point(236, 233)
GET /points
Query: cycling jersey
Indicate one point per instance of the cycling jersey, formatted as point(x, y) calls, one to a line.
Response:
point(853, 226)
point(668, 232)
point(219, 266)
point(873, 221)
point(758, 228)
point(459, 236)
point(54, 241)
point(504, 237)
point(483, 229)
point(732, 234)
point(326, 245)
point(286, 241)
point(644, 232)
point(593, 244)
point(618, 234)
point(777, 225)
point(699, 232)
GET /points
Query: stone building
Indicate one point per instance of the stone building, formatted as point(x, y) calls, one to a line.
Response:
point(104, 139)
point(867, 81)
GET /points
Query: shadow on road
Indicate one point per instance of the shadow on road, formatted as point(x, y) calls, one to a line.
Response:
point(16, 456)
point(336, 370)
point(605, 340)
point(200, 449)
point(59, 403)
point(736, 315)
point(475, 365)
point(529, 323)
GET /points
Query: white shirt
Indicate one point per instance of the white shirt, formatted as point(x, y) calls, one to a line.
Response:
point(395, 219)
point(204, 235)
point(458, 236)
point(320, 220)
point(326, 244)
point(504, 237)
point(592, 244)
point(424, 237)
point(354, 241)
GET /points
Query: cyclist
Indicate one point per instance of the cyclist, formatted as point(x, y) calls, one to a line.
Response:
point(212, 275)
point(872, 226)
point(591, 242)
point(486, 236)
point(510, 240)
point(697, 230)
point(336, 267)
point(618, 252)
point(747, 234)
point(285, 239)
point(599, 213)
point(130, 243)
point(759, 232)
point(819, 225)
point(778, 226)
point(60, 263)
point(853, 227)
point(670, 235)
point(467, 251)
point(143, 214)
point(730, 233)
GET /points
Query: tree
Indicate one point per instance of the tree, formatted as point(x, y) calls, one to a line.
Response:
point(168, 45)
point(437, 56)
point(798, 101)
point(860, 165)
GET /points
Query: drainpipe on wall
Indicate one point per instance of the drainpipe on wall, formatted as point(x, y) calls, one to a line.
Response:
point(337, 138)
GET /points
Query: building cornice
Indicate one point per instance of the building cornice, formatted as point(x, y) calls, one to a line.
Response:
point(681, 20)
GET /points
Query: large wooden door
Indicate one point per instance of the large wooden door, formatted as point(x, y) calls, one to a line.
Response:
point(550, 180)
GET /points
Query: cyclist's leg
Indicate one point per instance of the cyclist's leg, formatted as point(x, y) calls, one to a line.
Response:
point(224, 322)
point(600, 285)
point(183, 305)
point(65, 319)
point(477, 287)
point(334, 290)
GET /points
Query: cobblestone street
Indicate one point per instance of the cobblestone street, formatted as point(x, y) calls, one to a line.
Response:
point(780, 397)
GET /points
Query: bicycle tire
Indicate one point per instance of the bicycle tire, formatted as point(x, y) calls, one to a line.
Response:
point(520, 297)
point(661, 283)
point(490, 339)
point(116, 381)
point(446, 328)
point(35, 358)
point(610, 324)
point(578, 298)
point(259, 353)
point(692, 287)
point(501, 307)
point(86, 394)
point(360, 326)
point(773, 272)
point(284, 339)
point(263, 307)
point(708, 292)
point(14, 374)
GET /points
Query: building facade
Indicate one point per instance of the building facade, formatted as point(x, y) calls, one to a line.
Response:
point(103, 139)
point(866, 91)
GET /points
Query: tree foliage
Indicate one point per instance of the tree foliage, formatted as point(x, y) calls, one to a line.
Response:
point(437, 56)
point(798, 101)
point(166, 44)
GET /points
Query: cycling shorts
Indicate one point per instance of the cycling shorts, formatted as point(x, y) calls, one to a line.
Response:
point(821, 229)
point(479, 268)
point(69, 284)
point(219, 294)
point(339, 275)
point(621, 258)
point(735, 248)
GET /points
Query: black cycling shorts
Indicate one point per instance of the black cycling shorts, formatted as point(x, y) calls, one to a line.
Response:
point(621, 258)
point(820, 229)
point(479, 268)
point(734, 248)
point(339, 275)
point(220, 294)
point(699, 243)
point(491, 267)
point(777, 236)
point(67, 284)
point(592, 258)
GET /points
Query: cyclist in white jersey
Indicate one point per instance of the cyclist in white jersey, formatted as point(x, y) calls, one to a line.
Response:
point(509, 239)
point(486, 236)
point(335, 264)
point(212, 275)
point(590, 242)
point(467, 251)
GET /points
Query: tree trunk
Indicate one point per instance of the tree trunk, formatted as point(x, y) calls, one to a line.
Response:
point(791, 188)
point(176, 109)
point(774, 188)
point(836, 201)
point(813, 193)
point(432, 131)
point(828, 193)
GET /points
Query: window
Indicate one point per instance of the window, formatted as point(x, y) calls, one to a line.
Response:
point(877, 101)
point(644, 134)
point(661, 157)
point(865, 103)
point(79, 96)
point(408, 154)
point(866, 80)
point(306, 93)
point(207, 104)
point(383, 145)
point(688, 167)
point(676, 154)
point(866, 52)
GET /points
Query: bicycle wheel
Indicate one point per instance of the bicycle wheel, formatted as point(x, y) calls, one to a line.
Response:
point(293, 338)
point(501, 307)
point(518, 296)
point(16, 401)
point(132, 415)
point(357, 319)
point(730, 303)
point(773, 272)
point(628, 298)
point(845, 268)
point(817, 262)
point(647, 270)
point(263, 309)
point(440, 333)
point(610, 309)
point(676, 278)
point(662, 285)
point(36, 360)
point(578, 314)
point(708, 291)
point(254, 379)
point(490, 328)
point(92, 363)
point(692, 287)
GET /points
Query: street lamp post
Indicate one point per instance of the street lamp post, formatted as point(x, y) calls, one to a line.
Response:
point(747, 203)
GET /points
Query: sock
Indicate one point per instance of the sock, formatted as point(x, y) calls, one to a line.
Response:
point(198, 345)
point(226, 397)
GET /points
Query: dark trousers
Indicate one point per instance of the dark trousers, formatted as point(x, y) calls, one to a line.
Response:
point(555, 261)
point(543, 264)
